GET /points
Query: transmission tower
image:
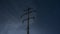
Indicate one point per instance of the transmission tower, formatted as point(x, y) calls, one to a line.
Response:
point(28, 17)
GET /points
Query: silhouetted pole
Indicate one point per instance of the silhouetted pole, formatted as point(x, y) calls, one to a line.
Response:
point(28, 17)
point(28, 22)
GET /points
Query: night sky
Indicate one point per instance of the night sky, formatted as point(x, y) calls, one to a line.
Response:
point(47, 16)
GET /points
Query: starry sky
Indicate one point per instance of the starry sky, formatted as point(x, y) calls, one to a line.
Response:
point(47, 14)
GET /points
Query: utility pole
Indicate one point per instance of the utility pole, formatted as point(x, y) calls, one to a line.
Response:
point(28, 18)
